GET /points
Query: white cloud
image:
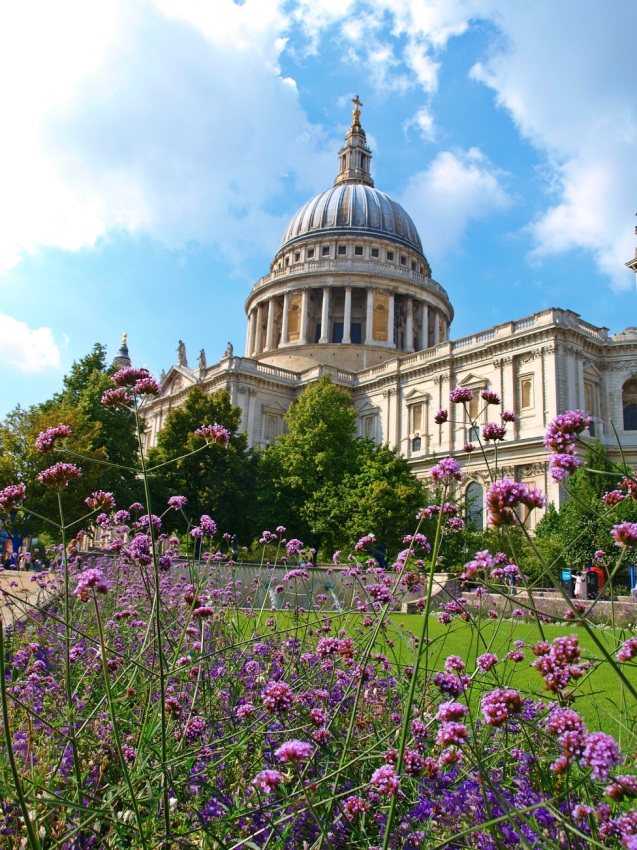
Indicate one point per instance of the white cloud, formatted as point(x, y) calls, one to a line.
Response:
point(457, 188)
point(423, 121)
point(27, 349)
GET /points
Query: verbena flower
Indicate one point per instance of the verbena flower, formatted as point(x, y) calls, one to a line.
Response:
point(12, 497)
point(490, 397)
point(441, 416)
point(563, 431)
point(493, 431)
point(601, 753)
point(177, 502)
point(91, 578)
point(614, 497)
point(508, 416)
point(446, 471)
point(46, 440)
point(100, 500)
point(268, 780)
point(628, 650)
point(385, 780)
point(504, 495)
point(460, 395)
point(625, 534)
point(59, 475)
point(117, 398)
point(564, 464)
point(208, 525)
point(278, 697)
point(294, 751)
point(499, 705)
point(215, 433)
point(363, 542)
point(146, 386)
point(129, 376)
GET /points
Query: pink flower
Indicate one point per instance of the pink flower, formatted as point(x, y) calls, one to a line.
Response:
point(486, 662)
point(100, 501)
point(215, 433)
point(116, 398)
point(563, 465)
point(208, 525)
point(625, 534)
point(278, 697)
point(628, 650)
point(492, 431)
point(460, 395)
point(504, 495)
point(490, 397)
point(364, 541)
point(12, 496)
point(177, 502)
point(129, 376)
point(508, 416)
point(294, 751)
point(446, 471)
point(268, 780)
point(452, 733)
point(601, 752)
point(497, 706)
point(441, 416)
point(562, 431)
point(146, 386)
point(385, 780)
point(91, 578)
point(46, 440)
point(59, 475)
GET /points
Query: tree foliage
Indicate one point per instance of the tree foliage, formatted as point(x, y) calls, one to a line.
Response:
point(106, 438)
point(216, 480)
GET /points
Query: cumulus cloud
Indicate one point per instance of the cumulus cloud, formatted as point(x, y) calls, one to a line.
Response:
point(458, 187)
point(27, 349)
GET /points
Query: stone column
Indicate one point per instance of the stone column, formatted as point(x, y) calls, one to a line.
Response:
point(258, 345)
point(303, 340)
point(390, 323)
point(250, 334)
point(347, 318)
point(409, 326)
point(369, 320)
point(269, 334)
point(436, 328)
point(325, 316)
point(284, 323)
point(424, 330)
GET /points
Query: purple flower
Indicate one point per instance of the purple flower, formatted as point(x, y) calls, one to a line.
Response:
point(100, 501)
point(215, 433)
point(145, 522)
point(267, 780)
point(441, 416)
point(628, 650)
point(129, 376)
point(452, 733)
point(621, 787)
point(453, 663)
point(59, 475)
point(468, 448)
point(486, 662)
point(493, 431)
point(446, 471)
point(625, 534)
point(562, 431)
point(563, 465)
point(508, 416)
point(504, 495)
point(460, 395)
point(294, 751)
point(91, 578)
point(497, 706)
point(293, 547)
point(452, 684)
point(177, 502)
point(46, 440)
point(601, 752)
point(116, 398)
point(364, 541)
point(385, 780)
point(278, 697)
point(146, 386)
point(490, 397)
point(12, 496)
point(208, 525)
point(451, 711)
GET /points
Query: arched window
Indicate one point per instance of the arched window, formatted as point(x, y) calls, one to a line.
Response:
point(475, 506)
point(629, 403)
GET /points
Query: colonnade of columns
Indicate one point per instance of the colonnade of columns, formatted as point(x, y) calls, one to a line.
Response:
point(272, 315)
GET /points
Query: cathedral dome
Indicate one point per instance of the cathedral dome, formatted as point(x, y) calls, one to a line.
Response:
point(352, 209)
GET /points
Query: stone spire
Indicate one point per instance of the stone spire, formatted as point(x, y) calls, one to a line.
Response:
point(121, 359)
point(355, 157)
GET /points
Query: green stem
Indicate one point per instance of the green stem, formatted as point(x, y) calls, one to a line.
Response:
point(34, 841)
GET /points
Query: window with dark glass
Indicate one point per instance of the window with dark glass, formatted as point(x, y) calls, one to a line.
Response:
point(629, 404)
point(375, 252)
point(342, 249)
point(403, 260)
point(310, 253)
point(416, 444)
point(355, 333)
point(390, 255)
point(326, 250)
point(358, 250)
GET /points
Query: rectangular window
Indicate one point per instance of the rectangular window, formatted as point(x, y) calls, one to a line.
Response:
point(325, 250)
point(356, 334)
point(337, 331)
point(369, 427)
point(413, 265)
point(358, 250)
point(390, 255)
point(342, 249)
point(297, 256)
point(403, 260)
point(375, 252)
point(416, 418)
point(474, 405)
point(272, 427)
point(526, 392)
point(310, 253)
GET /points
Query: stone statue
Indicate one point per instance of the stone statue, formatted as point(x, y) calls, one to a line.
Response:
point(201, 360)
point(124, 338)
point(181, 354)
point(228, 351)
point(162, 376)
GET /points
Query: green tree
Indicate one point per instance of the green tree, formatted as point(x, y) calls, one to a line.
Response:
point(106, 438)
point(217, 481)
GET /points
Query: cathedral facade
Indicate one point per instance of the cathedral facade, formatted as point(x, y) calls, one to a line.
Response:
point(350, 292)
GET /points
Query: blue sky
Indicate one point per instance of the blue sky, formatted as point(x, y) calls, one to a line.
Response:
point(153, 152)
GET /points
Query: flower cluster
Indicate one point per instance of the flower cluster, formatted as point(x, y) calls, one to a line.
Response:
point(625, 534)
point(559, 662)
point(385, 780)
point(278, 697)
point(493, 431)
point(504, 495)
point(490, 397)
point(91, 578)
point(294, 751)
point(460, 395)
point(441, 416)
point(499, 705)
point(214, 433)
point(176, 503)
point(45, 441)
point(12, 497)
point(100, 500)
point(267, 781)
point(446, 471)
point(560, 438)
point(59, 475)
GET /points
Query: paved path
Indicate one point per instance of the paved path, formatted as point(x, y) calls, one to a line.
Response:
point(18, 593)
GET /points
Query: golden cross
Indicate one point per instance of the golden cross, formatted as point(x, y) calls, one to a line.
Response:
point(357, 111)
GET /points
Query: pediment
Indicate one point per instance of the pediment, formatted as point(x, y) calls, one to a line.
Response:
point(592, 372)
point(366, 409)
point(472, 380)
point(416, 395)
point(274, 407)
point(177, 379)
